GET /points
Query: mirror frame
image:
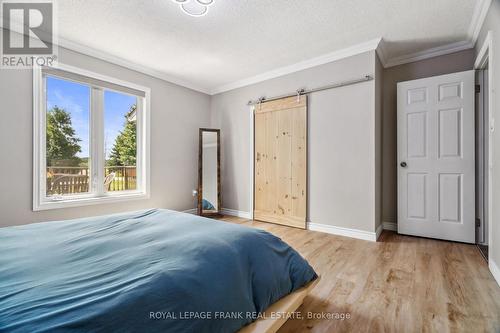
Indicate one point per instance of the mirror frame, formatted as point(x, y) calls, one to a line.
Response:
point(200, 174)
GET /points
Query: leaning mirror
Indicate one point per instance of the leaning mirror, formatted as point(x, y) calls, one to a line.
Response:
point(209, 196)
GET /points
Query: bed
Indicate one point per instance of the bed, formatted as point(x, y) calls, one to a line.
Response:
point(154, 270)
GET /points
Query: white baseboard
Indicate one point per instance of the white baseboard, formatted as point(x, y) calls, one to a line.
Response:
point(237, 213)
point(390, 226)
point(224, 211)
point(329, 229)
point(379, 230)
point(339, 231)
point(494, 270)
point(359, 234)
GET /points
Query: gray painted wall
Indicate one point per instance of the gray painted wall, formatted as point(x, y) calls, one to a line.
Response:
point(231, 114)
point(177, 113)
point(446, 64)
point(338, 154)
point(492, 23)
point(341, 175)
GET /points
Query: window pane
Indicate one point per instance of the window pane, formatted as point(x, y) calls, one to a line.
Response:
point(120, 135)
point(67, 137)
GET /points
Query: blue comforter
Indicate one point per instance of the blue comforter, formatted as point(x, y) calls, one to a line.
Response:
point(149, 271)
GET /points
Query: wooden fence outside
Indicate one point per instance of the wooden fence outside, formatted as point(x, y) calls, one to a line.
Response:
point(125, 178)
point(73, 180)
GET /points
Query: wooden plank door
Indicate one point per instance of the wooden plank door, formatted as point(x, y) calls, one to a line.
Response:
point(436, 157)
point(280, 157)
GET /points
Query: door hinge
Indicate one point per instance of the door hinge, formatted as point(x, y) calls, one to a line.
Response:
point(478, 223)
point(478, 88)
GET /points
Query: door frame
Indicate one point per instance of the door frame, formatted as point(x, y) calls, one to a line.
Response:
point(485, 56)
point(252, 159)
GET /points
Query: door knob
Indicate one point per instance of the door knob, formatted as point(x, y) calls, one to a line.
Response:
point(403, 164)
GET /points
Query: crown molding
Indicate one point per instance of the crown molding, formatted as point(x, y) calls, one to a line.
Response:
point(86, 50)
point(70, 45)
point(321, 60)
point(478, 18)
point(430, 53)
point(479, 15)
point(486, 47)
point(382, 53)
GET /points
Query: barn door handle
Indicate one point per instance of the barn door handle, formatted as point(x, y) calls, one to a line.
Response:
point(403, 164)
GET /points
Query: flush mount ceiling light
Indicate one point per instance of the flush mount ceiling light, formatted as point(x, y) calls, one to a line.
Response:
point(194, 8)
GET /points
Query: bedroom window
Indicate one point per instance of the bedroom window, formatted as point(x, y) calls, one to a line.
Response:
point(90, 139)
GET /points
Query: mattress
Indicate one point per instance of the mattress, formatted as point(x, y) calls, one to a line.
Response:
point(147, 271)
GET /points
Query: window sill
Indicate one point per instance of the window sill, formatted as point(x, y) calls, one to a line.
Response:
point(88, 201)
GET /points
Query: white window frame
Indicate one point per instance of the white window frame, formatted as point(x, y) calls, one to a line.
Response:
point(97, 194)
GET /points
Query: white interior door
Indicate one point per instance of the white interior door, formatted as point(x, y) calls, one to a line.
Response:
point(436, 157)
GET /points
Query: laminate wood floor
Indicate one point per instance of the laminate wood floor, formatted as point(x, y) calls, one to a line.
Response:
point(398, 284)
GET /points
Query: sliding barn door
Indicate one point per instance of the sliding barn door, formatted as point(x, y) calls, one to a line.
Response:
point(281, 162)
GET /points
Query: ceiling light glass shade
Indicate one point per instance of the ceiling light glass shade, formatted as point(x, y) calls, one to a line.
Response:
point(205, 2)
point(194, 8)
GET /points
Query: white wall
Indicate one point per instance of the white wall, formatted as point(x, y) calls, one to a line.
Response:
point(177, 113)
point(492, 23)
point(341, 175)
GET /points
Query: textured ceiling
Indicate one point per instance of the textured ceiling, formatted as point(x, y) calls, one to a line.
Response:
point(238, 39)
